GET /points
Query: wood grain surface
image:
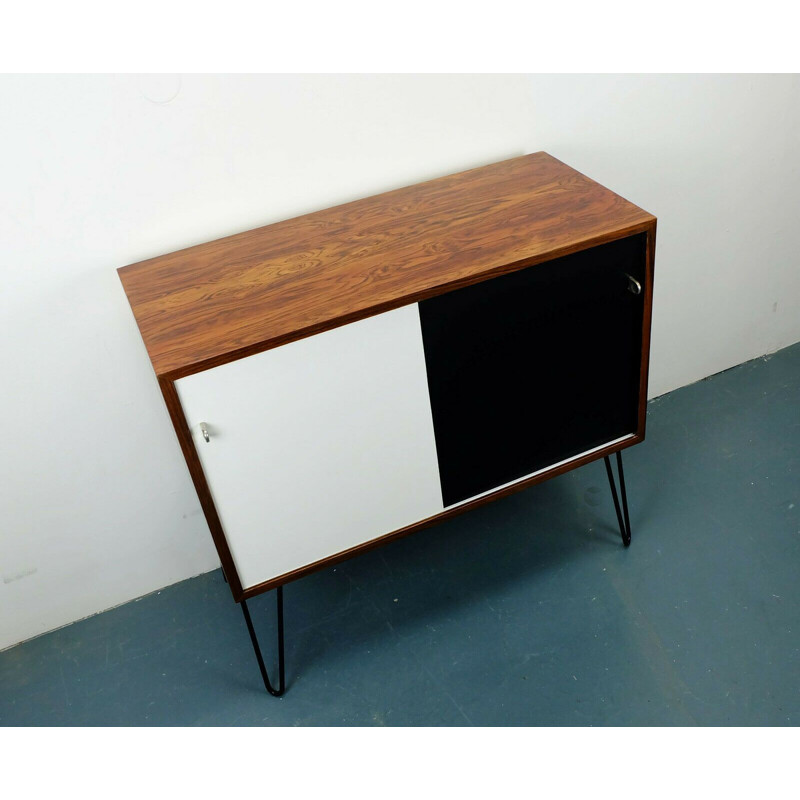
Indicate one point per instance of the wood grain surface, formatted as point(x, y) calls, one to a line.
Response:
point(206, 305)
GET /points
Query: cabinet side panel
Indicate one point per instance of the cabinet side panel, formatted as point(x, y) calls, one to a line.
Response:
point(646, 326)
point(317, 446)
point(201, 486)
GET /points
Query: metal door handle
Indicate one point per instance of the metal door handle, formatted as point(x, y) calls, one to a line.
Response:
point(633, 285)
point(204, 431)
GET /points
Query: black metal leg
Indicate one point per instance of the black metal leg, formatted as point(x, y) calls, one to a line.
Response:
point(624, 523)
point(281, 676)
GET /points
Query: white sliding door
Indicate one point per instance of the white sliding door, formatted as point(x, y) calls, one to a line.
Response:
point(319, 445)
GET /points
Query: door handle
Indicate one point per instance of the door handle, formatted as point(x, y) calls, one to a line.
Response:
point(204, 431)
point(633, 285)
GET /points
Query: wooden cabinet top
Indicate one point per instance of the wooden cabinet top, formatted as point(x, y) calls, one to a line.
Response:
point(212, 303)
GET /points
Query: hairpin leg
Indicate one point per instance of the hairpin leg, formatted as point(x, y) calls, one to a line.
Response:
point(257, 649)
point(624, 524)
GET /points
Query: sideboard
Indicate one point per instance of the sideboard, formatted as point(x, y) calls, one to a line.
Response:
point(352, 375)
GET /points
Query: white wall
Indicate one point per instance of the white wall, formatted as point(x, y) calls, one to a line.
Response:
point(96, 505)
point(717, 159)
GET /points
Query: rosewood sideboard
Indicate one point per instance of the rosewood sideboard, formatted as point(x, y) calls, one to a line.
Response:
point(355, 374)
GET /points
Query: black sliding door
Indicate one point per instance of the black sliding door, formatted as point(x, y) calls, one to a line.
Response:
point(534, 367)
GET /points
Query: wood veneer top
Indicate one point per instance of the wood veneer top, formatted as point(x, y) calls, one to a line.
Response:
point(232, 297)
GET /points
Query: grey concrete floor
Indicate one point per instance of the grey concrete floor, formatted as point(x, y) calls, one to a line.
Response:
point(527, 611)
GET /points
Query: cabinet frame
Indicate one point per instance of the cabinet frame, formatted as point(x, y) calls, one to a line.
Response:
point(584, 215)
point(187, 443)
